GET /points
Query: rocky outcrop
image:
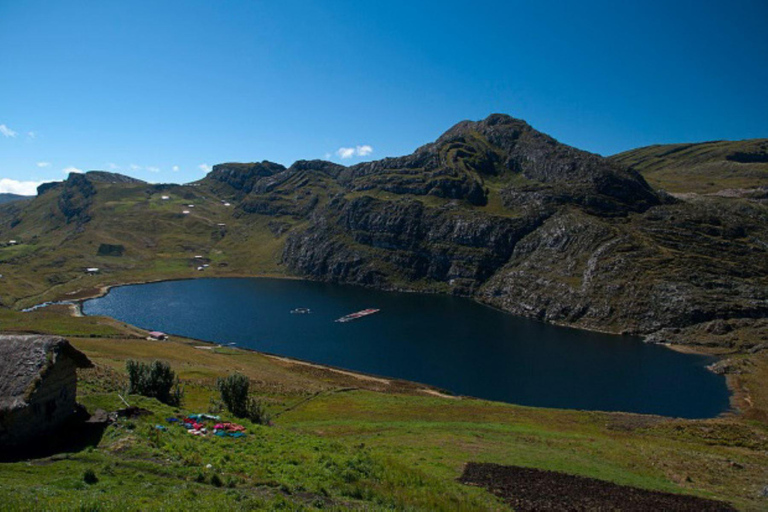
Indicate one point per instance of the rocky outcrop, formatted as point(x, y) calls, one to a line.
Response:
point(243, 177)
point(392, 243)
point(76, 198)
point(579, 240)
point(676, 265)
point(111, 178)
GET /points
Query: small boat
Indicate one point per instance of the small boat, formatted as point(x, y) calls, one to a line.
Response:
point(358, 314)
point(301, 311)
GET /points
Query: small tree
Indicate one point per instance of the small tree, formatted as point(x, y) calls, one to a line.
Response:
point(256, 412)
point(154, 380)
point(234, 395)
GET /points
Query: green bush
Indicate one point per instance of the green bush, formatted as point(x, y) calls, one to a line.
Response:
point(256, 412)
point(234, 395)
point(154, 380)
point(89, 477)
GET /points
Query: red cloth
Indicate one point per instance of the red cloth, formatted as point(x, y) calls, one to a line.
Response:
point(231, 427)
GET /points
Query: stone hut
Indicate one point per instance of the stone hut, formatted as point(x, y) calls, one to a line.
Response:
point(38, 385)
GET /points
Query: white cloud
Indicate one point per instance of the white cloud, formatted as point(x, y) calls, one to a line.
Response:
point(346, 152)
point(135, 167)
point(24, 188)
point(31, 135)
point(327, 156)
point(153, 169)
point(7, 131)
point(43, 164)
point(175, 168)
point(363, 150)
point(113, 166)
point(69, 170)
point(204, 167)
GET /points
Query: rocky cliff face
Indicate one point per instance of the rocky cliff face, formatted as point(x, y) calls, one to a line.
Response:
point(492, 209)
point(496, 210)
point(76, 198)
point(394, 243)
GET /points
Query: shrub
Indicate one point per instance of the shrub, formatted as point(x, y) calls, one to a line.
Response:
point(215, 406)
point(154, 380)
point(89, 477)
point(234, 395)
point(256, 412)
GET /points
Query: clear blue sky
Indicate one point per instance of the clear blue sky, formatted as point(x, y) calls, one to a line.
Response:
point(146, 87)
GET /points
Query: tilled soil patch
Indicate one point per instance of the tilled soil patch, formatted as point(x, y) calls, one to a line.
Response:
point(527, 489)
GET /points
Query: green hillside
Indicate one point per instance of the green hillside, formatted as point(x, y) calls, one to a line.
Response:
point(153, 238)
point(342, 441)
point(703, 168)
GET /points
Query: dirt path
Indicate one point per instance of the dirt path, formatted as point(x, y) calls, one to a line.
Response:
point(328, 368)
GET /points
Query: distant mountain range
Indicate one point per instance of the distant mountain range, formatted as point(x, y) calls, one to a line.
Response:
point(493, 209)
point(7, 198)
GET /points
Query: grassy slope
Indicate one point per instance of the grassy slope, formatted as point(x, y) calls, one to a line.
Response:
point(160, 242)
point(340, 441)
point(700, 168)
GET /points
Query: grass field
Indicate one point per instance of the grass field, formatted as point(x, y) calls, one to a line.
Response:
point(158, 241)
point(342, 441)
point(702, 168)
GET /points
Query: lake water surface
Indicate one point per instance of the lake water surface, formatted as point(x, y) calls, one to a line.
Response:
point(449, 342)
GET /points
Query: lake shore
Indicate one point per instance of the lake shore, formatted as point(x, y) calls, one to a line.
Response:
point(83, 295)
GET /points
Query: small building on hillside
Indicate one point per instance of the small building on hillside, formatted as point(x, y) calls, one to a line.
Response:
point(38, 386)
point(92, 271)
point(157, 335)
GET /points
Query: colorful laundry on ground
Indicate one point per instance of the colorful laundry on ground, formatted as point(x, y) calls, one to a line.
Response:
point(195, 424)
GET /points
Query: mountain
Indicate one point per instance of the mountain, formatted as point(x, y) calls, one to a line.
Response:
point(707, 167)
point(493, 209)
point(7, 198)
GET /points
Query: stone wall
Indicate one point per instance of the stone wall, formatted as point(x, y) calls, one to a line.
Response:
point(49, 406)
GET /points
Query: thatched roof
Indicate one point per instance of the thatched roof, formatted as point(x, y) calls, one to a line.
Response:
point(24, 359)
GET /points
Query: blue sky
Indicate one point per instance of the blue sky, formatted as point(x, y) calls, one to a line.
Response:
point(163, 90)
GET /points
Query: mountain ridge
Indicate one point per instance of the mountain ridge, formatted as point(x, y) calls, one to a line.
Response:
point(7, 198)
point(703, 167)
point(492, 209)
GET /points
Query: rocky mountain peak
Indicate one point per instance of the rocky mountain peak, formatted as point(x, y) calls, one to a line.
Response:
point(110, 177)
point(243, 176)
point(496, 128)
point(323, 166)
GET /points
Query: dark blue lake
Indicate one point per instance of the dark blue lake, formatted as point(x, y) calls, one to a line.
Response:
point(449, 342)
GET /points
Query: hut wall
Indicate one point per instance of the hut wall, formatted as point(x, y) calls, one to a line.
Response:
point(49, 406)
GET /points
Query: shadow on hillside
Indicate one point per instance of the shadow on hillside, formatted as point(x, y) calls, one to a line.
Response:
point(79, 433)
